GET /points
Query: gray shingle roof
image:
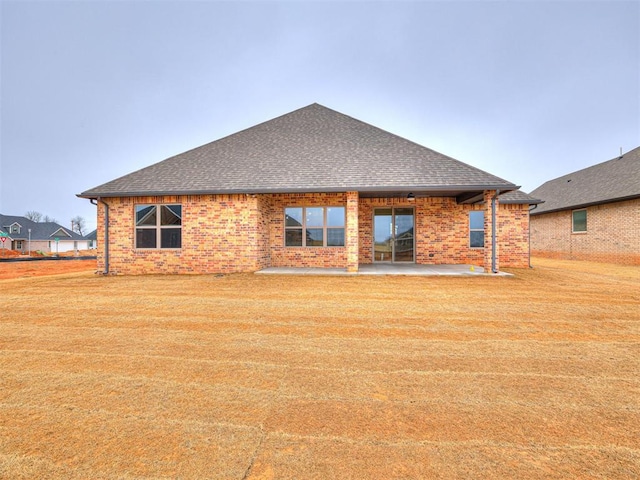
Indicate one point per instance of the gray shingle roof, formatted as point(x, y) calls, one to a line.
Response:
point(606, 182)
point(39, 230)
point(312, 149)
point(519, 197)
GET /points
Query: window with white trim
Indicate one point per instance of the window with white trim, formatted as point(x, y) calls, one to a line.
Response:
point(158, 226)
point(476, 229)
point(579, 221)
point(314, 226)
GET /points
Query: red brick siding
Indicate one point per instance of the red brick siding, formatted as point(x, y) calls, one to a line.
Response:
point(442, 231)
point(282, 256)
point(220, 233)
point(488, 233)
point(42, 245)
point(513, 225)
point(263, 218)
point(351, 232)
point(613, 234)
point(245, 233)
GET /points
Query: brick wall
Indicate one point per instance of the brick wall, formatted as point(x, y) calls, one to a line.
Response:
point(245, 233)
point(365, 218)
point(263, 214)
point(351, 232)
point(281, 256)
point(513, 225)
point(442, 231)
point(220, 233)
point(488, 258)
point(42, 245)
point(613, 234)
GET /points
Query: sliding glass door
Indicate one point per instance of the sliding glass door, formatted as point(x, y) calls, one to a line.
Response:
point(393, 235)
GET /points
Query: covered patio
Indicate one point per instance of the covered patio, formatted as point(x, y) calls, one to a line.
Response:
point(387, 269)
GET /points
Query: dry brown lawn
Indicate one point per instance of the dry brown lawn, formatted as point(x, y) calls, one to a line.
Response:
point(38, 268)
point(260, 377)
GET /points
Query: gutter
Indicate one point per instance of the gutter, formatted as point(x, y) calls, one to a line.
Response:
point(399, 189)
point(493, 232)
point(588, 204)
point(533, 207)
point(106, 232)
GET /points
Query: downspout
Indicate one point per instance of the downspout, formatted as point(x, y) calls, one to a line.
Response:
point(106, 233)
point(493, 232)
point(531, 209)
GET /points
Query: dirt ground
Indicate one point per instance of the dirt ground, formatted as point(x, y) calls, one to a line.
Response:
point(283, 377)
point(38, 268)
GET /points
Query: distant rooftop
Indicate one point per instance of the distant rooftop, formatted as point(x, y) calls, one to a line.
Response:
point(39, 230)
point(611, 181)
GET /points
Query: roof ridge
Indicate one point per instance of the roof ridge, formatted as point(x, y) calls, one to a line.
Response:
point(613, 180)
point(416, 144)
point(600, 164)
point(171, 157)
point(312, 148)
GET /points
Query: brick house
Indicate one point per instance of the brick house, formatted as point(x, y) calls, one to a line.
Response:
point(591, 214)
point(22, 234)
point(312, 188)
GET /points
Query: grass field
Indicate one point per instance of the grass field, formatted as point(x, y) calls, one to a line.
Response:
point(260, 377)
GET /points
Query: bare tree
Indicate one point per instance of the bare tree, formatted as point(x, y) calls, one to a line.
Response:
point(33, 216)
point(78, 225)
point(47, 218)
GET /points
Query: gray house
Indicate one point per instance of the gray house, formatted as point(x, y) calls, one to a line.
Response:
point(92, 239)
point(21, 234)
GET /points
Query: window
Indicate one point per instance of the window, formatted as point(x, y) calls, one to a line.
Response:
point(314, 227)
point(476, 229)
point(15, 229)
point(579, 221)
point(158, 226)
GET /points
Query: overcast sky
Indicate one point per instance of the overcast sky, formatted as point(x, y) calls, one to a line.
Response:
point(93, 90)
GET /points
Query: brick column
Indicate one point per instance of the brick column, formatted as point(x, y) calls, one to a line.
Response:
point(351, 232)
point(100, 238)
point(488, 231)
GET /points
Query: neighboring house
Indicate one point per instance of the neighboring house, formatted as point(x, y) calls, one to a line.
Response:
point(312, 188)
point(591, 214)
point(22, 234)
point(92, 239)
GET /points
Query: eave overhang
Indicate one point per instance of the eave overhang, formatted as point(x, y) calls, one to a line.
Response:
point(584, 205)
point(464, 192)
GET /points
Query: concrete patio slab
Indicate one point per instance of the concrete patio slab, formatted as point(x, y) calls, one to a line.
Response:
point(386, 269)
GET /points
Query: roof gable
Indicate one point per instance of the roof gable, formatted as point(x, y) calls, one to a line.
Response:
point(15, 227)
point(61, 232)
point(519, 197)
point(9, 221)
point(35, 230)
point(309, 150)
point(610, 181)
